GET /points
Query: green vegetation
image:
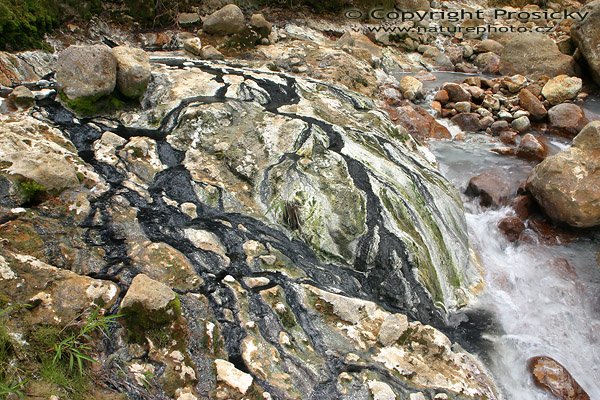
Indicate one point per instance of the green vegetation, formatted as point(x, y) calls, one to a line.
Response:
point(92, 106)
point(54, 359)
point(32, 191)
point(23, 23)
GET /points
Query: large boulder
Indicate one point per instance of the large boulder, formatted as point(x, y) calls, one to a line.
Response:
point(86, 72)
point(534, 55)
point(133, 71)
point(226, 21)
point(567, 185)
point(587, 37)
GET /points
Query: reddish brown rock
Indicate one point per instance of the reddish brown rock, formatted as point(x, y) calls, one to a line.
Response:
point(549, 233)
point(467, 122)
point(531, 103)
point(442, 96)
point(493, 187)
point(456, 92)
point(567, 119)
point(437, 107)
point(419, 123)
point(508, 137)
point(524, 206)
point(551, 376)
point(511, 227)
point(530, 148)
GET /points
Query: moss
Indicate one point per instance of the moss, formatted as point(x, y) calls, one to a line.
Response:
point(155, 326)
point(93, 105)
point(32, 192)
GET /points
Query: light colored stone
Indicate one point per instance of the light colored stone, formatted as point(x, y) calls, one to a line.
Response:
point(392, 328)
point(562, 88)
point(86, 72)
point(230, 375)
point(411, 87)
point(193, 45)
point(226, 21)
point(133, 71)
point(381, 390)
point(152, 298)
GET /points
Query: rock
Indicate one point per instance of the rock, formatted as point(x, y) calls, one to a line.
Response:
point(586, 36)
point(534, 55)
point(211, 53)
point(511, 227)
point(33, 151)
point(463, 106)
point(476, 92)
point(467, 122)
point(229, 374)
point(523, 205)
point(551, 376)
point(521, 124)
point(499, 126)
point(508, 137)
point(561, 88)
point(419, 123)
point(491, 102)
point(411, 87)
point(56, 296)
point(530, 148)
point(392, 328)
point(188, 18)
point(488, 63)
point(567, 119)
point(566, 184)
point(456, 92)
point(442, 96)
point(566, 45)
point(381, 391)
point(27, 66)
point(86, 73)
point(488, 45)
point(531, 103)
point(22, 97)
point(260, 25)
point(226, 21)
point(493, 188)
point(515, 83)
point(133, 71)
point(149, 302)
point(193, 45)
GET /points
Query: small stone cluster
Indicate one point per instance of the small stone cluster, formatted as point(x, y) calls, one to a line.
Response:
point(228, 21)
point(513, 107)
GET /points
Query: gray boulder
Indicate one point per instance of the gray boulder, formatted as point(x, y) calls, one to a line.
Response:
point(534, 55)
point(226, 21)
point(133, 71)
point(86, 72)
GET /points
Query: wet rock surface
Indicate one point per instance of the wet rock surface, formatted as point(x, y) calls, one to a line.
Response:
point(307, 240)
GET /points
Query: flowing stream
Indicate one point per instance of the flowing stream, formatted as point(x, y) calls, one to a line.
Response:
point(545, 299)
